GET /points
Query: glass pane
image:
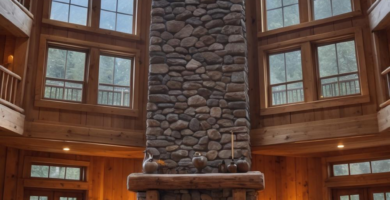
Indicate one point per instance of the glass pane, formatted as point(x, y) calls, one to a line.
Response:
point(72, 173)
point(122, 97)
point(109, 5)
point(380, 166)
point(346, 57)
point(279, 95)
point(388, 196)
point(354, 197)
point(124, 23)
point(360, 168)
point(349, 84)
point(59, 11)
point(327, 60)
point(54, 89)
point(322, 9)
point(379, 196)
point(43, 198)
point(73, 92)
point(126, 6)
point(274, 19)
point(106, 70)
point(341, 6)
point(34, 198)
point(345, 197)
point(64, 1)
point(295, 92)
point(293, 66)
point(329, 87)
point(39, 171)
point(340, 170)
point(289, 2)
point(104, 95)
point(56, 63)
point(122, 72)
point(80, 2)
point(291, 15)
point(277, 68)
point(78, 15)
point(63, 198)
point(75, 66)
point(107, 20)
point(57, 172)
point(271, 4)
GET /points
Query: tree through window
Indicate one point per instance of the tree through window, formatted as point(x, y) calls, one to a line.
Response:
point(282, 13)
point(71, 11)
point(117, 15)
point(328, 8)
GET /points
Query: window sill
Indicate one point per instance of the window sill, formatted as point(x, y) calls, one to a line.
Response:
point(91, 30)
point(309, 24)
point(342, 101)
point(86, 107)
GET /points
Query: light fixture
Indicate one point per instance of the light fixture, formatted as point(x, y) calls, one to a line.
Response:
point(340, 146)
point(66, 149)
point(10, 59)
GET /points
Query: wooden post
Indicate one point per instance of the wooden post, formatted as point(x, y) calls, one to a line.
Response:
point(152, 195)
point(239, 194)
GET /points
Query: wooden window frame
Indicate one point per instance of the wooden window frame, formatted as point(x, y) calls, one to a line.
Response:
point(309, 69)
point(90, 102)
point(305, 15)
point(93, 21)
point(88, 22)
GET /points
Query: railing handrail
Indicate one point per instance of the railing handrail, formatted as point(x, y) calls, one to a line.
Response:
point(24, 8)
point(287, 90)
point(2, 68)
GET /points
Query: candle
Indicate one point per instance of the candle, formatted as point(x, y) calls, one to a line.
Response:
point(232, 145)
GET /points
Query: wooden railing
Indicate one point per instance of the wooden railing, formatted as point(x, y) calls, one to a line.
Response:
point(114, 98)
point(63, 93)
point(25, 5)
point(9, 85)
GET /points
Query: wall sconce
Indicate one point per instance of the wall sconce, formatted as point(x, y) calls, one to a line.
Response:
point(10, 61)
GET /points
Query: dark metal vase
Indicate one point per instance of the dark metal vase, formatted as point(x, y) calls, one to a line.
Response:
point(242, 165)
point(232, 167)
point(199, 162)
point(222, 167)
point(149, 166)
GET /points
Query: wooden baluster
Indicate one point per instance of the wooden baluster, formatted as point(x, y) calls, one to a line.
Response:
point(2, 84)
point(6, 87)
point(16, 90)
point(11, 89)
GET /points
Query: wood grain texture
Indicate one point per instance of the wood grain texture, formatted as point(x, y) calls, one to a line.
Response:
point(144, 182)
point(379, 16)
point(11, 121)
point(14, 19)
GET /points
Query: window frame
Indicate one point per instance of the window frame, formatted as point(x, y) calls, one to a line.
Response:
point(70, 3)
point(91, 84)
point(306, 15)
point(310, 74)
point(82, 177)
point(93, 20)
point(134, 16)
point(265, 21)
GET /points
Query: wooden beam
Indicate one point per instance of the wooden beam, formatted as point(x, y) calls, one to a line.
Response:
point(358, 180)
point(144, 182)
point(79, 148)
point(55, 184)
point(384, 119)
point(11, 122)
point(132, 138)
point(324, 129)
point(379, 17)
point(14, 19)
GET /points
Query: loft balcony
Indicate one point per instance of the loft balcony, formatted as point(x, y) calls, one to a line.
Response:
point(15, 18)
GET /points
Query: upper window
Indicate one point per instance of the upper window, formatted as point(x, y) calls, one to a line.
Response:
point(338, 69)
point(57, 172)
point(71, 11)
point(368, 167)
point(65, 74)
point(117, 15)
point(282, 13)
point(286, 79)
point(382, 196)
point(328, 8)
point(114, 81)
point(350, 197)
point(68, 198)
point(39, 198)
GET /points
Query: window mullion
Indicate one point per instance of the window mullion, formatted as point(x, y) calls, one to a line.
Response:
point(309, 83)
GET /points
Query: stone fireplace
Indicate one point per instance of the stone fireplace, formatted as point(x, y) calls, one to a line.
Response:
point(197, 93)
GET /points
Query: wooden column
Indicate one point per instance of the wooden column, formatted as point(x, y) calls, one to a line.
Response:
point(239, 194)
point(152, 195)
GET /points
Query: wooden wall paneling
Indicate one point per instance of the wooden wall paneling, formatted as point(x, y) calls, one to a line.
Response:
point(302, 176)
point(315, 178)
point(108, 178)
point(381, 62)
point(127, 169)
point(3, 156)
point(9, 49)
point(117, 186)
point(96, 180)
point(11, 174)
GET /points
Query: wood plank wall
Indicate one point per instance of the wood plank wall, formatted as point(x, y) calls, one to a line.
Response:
point(289, 178)
point(66, 117)
point(258, 121)
point(108, 175)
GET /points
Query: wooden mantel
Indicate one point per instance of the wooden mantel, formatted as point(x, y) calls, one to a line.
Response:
point(138, 182)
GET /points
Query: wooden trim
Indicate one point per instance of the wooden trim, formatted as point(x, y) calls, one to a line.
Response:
point(54, 161)
point(25, 10)
point(384, 118)
point(358, 180)
point(309, 24)
point(133, 138)
point(386, 71)
point(316, 130)
point(16, 22)
point(89, 105)
point(358, 157)
point(381, 62)
point(384, 104)
point(379, 17)
point(55, 184)
point(10, 120)
point(13, 106)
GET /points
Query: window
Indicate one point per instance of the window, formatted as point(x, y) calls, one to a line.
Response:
point(328, 8)
point(282, 13)
point(57, 172)
point(68, 198)
point(114, 81)
point(117, 15)
point(286, 77)
point(71, 11)
point(65, 74)
point(381, 196)
point(338, 69)
point(367, 167)
point(350, 197)
point(38, 198)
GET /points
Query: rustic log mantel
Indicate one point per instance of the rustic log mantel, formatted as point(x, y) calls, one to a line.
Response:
point(138, 182)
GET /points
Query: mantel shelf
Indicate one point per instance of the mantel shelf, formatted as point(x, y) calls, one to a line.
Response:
point(143, 182)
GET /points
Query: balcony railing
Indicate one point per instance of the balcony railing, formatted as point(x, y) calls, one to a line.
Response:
point(332, 89)
point(114, 98)
point(9, 85)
